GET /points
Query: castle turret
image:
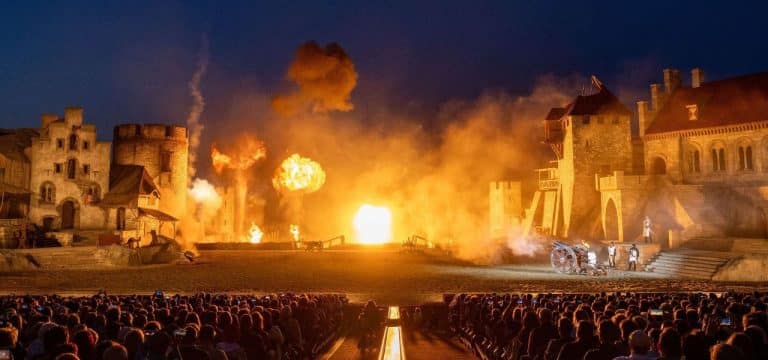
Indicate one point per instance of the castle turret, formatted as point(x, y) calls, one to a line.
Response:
point(163, 150)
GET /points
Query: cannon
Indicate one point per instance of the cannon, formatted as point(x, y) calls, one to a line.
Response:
point(574, 259)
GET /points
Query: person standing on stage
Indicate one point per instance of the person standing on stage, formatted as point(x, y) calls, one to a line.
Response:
point(647, 229)
point(634, 255)
point(612, 255)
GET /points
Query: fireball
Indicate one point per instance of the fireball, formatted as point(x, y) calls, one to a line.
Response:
point(298, 173)
point(255, 234)
point(373, 225)
point(249, 151)
point(203, 192)
point(294, 230)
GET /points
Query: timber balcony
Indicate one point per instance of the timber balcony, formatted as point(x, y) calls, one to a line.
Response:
point(549, 179)
point(619, 181)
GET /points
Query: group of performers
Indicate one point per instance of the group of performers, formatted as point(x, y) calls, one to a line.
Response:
point(634, 253)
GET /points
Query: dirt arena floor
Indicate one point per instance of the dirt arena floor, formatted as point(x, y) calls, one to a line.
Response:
point(390, 277)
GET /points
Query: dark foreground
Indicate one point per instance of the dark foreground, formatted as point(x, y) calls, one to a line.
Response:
point(389, 277)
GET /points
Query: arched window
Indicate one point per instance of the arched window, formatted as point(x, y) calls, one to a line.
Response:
point(694, 162)
point(47, 193)
point(715, 163)
point(742, 160)
point(721, 158)
point(750, 165)
point(71, 168)
point(73, 142)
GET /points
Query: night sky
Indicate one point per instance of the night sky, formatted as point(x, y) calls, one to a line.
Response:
point(131, 61)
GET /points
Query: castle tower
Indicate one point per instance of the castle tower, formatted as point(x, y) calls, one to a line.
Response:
point(593, 138)
point(163, 150)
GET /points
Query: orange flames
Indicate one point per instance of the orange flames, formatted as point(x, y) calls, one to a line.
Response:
point(255, 234)
point(298, 173)
point(249, 151)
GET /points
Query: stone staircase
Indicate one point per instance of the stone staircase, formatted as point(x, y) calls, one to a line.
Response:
point(67, 258)
point(694, 264)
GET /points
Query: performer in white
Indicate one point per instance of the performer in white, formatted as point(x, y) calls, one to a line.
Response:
point(647, 229)
point(612, 255)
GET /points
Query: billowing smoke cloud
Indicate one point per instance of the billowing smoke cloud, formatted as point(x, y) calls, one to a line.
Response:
point(435, 184)
point(325, 78)
point(434, 179)
point(198, 105)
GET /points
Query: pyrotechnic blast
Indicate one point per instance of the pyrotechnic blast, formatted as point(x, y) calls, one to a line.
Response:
point(373, 225)
point(255, 234)
point(298, 173)
point(249, 151)
point(207, 202)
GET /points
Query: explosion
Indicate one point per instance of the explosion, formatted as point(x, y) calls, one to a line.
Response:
point(373, 225)
point(204, 193)
point(298, 173)
point(255, 234)
point(294, 230)
point(250, 150)
point(325, 78)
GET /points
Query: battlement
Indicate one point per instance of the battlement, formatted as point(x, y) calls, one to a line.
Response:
point(150, 131)
point(502, 185)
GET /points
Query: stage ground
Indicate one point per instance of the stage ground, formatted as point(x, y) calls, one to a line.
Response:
point(389, 277)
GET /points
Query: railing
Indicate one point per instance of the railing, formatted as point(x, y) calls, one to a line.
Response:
point(619, 181)
point(549, 178)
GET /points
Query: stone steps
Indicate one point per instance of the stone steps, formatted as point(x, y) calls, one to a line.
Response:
point(68, 258)
point(688, 263)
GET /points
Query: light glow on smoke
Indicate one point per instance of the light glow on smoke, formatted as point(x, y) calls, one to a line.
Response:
point(373, 225)
point(297, 173)
point(204, 193)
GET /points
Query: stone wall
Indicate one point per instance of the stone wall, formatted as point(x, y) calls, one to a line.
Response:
point(62, 144)
point(592, 145)
point(678, 149)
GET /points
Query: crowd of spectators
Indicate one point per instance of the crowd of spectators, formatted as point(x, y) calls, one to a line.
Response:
point(157, 327)
point(688, 326)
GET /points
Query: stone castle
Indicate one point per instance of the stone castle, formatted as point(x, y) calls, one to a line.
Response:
point(60, 179)
point(694, 160)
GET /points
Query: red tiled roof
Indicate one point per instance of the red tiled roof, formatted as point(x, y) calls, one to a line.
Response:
point(732, 101)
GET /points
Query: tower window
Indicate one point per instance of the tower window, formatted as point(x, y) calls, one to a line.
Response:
point(59, 143)
point(166, 161)
point(73, 142)
point(86, 145)
point(71, 168)
point(47, 193)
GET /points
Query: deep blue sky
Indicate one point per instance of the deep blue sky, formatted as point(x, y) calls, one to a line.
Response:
point(130, 61)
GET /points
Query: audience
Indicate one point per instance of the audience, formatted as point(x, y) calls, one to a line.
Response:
point(668, 326)
point(198, 327)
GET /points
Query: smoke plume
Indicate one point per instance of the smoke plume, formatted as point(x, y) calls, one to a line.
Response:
point(433, 179)
point(198, 104)
point(325, 78)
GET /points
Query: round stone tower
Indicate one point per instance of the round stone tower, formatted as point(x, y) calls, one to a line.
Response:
point(163, 150)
